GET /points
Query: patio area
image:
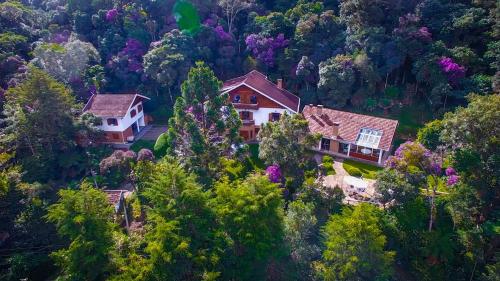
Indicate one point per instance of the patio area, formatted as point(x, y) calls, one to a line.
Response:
point(355, 189)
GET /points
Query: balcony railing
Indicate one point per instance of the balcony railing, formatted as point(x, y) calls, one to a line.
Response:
point(248, 122)
point(240, 105)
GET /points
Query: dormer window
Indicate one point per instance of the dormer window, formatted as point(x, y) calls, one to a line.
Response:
point(133, 113)
point(253, 99)
point(112, 122)
point(139, 108)
point(237, 99)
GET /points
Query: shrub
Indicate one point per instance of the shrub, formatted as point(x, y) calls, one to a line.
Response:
point(161, 146)
point(353, 171)
point(328, 165)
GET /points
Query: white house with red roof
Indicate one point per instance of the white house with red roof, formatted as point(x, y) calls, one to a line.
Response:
point(122, 115)
point(351, 135)
point(258, 100)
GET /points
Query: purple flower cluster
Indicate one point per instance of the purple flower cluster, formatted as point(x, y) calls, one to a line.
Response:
point(424, 34)
point(210, 22)
point(452, 176)
point(450, 171)
point(111, 15)
point(221, 34)
point(452, 70)
point(436, 168)
point(133, 52)
point(452, 180)
point(264, 48)
point(60, 37)
point(274, 173)
point(411, 154)
point(408, 26)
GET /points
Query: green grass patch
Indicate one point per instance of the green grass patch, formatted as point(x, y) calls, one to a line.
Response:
point(140, 144)
point(253, 160)
point(357, 169)
point(328, 165)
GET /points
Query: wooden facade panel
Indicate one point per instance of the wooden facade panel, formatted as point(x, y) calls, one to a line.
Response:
point(245, 94)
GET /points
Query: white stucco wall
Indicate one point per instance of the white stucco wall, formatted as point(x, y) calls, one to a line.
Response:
point(125, 122)
point(261, 116)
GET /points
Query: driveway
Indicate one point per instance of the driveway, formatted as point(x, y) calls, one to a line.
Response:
point(152, 133)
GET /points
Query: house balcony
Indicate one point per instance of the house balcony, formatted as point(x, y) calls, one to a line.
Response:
point(240, 105)
point(248, 122)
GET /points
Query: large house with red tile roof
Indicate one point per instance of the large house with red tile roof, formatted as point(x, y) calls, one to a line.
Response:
point(122, 115)
point(258, 100)
point(351, 135)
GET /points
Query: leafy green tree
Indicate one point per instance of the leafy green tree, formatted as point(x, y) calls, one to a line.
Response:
point(285, 142)
point(355, 246)
point(204, 126)
point(42, 129)
point(168, 62)
point(429, 135)
point(184, 241)
point(471, 133)
point(84, 217)
point(251, 213)
point(300, 230)
point(65, 62)
point(336, 80)
point(393, 188)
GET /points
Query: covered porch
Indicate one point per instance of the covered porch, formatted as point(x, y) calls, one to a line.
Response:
point(349, 150)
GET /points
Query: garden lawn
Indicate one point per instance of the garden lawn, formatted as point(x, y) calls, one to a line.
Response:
point(140, 144)
point(367, 171)
point(253, 160)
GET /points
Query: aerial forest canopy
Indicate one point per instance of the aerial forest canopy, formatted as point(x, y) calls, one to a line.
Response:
point(205, 206)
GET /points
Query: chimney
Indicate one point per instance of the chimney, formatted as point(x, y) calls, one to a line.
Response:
point(279, 83)
point(335, 129)
point(319, 110)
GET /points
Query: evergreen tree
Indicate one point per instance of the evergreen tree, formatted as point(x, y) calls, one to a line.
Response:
point(251, 213)
point(205, 124)
point(355, 246)
point(85, 218)
point(42, 130)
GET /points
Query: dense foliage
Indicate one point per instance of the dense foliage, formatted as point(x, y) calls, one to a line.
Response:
point(204, 206)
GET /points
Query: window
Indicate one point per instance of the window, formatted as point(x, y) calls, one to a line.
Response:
point(275, 117)
point(253, 99)
point(112, 122)
point(133, 113)
point(369, 138)
point(325, 144)
point(237, 99)
point(245, 115)
point(139, 108)
point(98, 122)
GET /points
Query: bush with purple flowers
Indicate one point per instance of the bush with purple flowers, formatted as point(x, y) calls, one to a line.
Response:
point(274, 173)
point(111, 15)
point(453, 71)
point(221, 34)
point(264, 48)
point(452, 180)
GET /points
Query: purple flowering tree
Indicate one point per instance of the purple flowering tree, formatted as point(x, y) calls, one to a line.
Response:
point(127, 64)
point(221, 34)
point(453, 71)
point(274, 173)
point(111, 15)
point(412, 158)
point(264, 48)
